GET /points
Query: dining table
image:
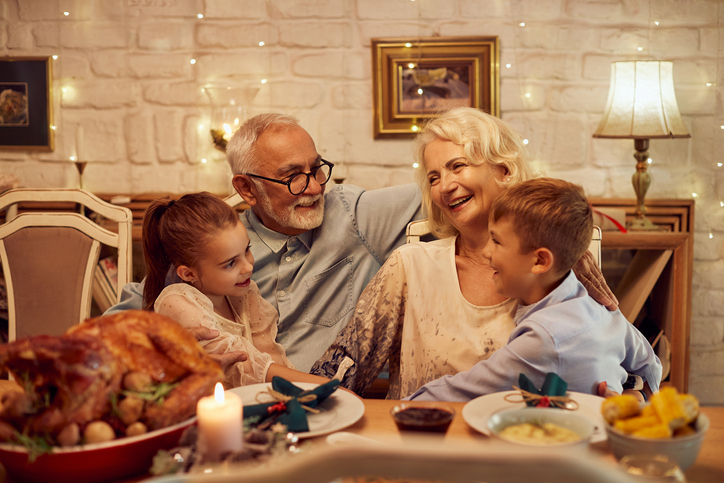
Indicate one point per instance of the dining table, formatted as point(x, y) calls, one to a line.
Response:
point(377, 424)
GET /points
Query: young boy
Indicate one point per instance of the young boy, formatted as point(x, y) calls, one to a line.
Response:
point(538, 229)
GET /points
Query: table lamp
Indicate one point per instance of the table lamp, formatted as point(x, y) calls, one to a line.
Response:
point(641, 106)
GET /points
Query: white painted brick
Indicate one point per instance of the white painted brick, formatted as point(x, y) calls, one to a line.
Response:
point(490, 28)
point(386, 30)
point(235, 9)
point(404, 10)
point(578, 37)
point(608, 10)
point(353, 95)
point(94, 36)
point(169, 127)
point(308, 8)
point(709, 145)
point(707, 303)
point(533, 65)
point(332, 65)
point(71, 65)
point(498, 9)
point(178, 94)
point(578, 97)
point(315, 34)
point(695, 100)
point(109, 63)
point(164, 66)
point(694, 71)
point(19, 36)
point(675, 12)
point(558, 140)
point(192, 139)
point(673, 42)
point(226, 36)
point(710, 275)
point(34, 10)
point(512, 95)
point(708, 249)
point(100, 95)
point(625, 41)
point(47, 35)
point(252, 64)
point(598, 67)
point(163, 8)
point(707, 331)
point(709, 41)
point(165, 179)
point(139, 138)
point(538, 36)
point(290, 95)
point(103, 140)
point(668, 152)
point(707, 389)
point(708, 361)
point(590, 179)
point(166, 36)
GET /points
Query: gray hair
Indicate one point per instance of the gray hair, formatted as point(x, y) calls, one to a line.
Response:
point(484, 139)
point(241, 150)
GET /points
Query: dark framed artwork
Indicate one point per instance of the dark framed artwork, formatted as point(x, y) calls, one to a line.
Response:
point(26, 107)
point(415, 78)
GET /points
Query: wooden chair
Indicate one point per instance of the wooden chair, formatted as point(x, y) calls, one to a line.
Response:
point(49, 257)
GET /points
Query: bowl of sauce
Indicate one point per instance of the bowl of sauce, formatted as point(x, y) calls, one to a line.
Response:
point(428, 418)
point(541, 427)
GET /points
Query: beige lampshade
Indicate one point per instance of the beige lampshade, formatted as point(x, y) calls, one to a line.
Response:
point(641, 103)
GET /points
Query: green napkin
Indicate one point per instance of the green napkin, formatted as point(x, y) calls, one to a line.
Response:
point(293, 415)
point(552, 386)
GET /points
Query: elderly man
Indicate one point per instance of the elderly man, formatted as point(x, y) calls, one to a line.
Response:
point(314, 253)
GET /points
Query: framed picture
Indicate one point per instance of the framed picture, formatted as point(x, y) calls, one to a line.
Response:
point(415, 78)
point(26, 103)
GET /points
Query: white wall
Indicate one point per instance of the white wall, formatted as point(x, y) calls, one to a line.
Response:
point(123, 73)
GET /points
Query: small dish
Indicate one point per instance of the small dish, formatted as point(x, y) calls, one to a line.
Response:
point(541, 417)
point(433, 418)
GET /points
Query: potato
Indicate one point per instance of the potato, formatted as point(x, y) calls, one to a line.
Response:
point(69, 435)
point(138, 382)
point(98, 432)
point(130, 409)
point(135, 429)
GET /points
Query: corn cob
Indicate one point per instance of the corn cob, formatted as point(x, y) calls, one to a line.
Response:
point(669, 407)
point(634, 424)
point(619, 407)
point(661, 430)
point(648, 411)
point(691, 407)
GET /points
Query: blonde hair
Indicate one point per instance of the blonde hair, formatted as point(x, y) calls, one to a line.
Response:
point(548, 213)
point(484, 139)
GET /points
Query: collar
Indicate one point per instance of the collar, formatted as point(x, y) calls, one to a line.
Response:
point(273, 239)
point(560, 294)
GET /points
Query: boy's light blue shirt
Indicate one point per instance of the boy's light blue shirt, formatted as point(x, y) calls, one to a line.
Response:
point(315, 279)
point(567, 333)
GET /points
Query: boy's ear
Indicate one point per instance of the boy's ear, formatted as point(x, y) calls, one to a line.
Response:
point(243, 186)
point(544, 261)
point(187, 274)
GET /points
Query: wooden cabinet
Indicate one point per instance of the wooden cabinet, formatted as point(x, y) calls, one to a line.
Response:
point(658, 278)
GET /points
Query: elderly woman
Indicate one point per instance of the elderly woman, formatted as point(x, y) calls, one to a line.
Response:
point(432, 309)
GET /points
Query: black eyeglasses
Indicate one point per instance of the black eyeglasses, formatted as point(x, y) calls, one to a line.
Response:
point(297, 183)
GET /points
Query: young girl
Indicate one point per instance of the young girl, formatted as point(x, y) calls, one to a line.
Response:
point(203, 240)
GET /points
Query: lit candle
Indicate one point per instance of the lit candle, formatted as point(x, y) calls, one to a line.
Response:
point(220, 424)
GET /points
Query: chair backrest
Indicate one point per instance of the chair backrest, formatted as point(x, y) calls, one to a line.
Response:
point(234, 200)
point(49, 258)
point(419, 228)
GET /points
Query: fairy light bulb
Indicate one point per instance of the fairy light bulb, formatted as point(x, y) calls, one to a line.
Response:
point(261, 43)
point(263, 81)
point(408, 45)
point(204, 160)
point(419, 91)
point(415, 165)
point(694, 195)
point(192, 61)
point(201, 15)
point(711, 235)
point(415, 128)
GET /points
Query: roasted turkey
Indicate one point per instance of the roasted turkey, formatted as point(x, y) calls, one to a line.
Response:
point(99, 369)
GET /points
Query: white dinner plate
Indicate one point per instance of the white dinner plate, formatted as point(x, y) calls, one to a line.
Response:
point(477, 411)
point(339, 410)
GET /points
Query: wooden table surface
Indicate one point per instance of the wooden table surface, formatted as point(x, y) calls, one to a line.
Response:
point(378, 424)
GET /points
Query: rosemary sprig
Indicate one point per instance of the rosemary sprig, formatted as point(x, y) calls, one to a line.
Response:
point(36, 445)
point(157, 395)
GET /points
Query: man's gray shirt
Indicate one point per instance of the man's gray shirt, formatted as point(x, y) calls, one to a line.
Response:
point(315, 279)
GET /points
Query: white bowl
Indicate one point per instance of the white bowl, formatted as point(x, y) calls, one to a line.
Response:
point(682, 450)
point(572, 420)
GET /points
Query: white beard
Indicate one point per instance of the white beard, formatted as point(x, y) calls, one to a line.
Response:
point(288, 218)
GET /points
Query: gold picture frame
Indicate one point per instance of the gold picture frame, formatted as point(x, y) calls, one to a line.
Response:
point(415, 78)
point(26, 103)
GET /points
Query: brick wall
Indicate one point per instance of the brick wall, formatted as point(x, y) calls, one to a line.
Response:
point(124, 74)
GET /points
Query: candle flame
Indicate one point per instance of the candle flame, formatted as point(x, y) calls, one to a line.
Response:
point(227, 128)
point(219, 393)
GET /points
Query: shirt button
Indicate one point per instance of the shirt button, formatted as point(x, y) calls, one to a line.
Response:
point(281, 293)
point(289, 259)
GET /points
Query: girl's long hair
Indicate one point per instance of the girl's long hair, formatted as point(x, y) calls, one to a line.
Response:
point(175, 233)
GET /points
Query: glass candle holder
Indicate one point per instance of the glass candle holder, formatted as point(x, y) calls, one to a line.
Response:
point(229, 109)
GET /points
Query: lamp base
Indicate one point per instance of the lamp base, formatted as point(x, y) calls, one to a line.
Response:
point(642, 224)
